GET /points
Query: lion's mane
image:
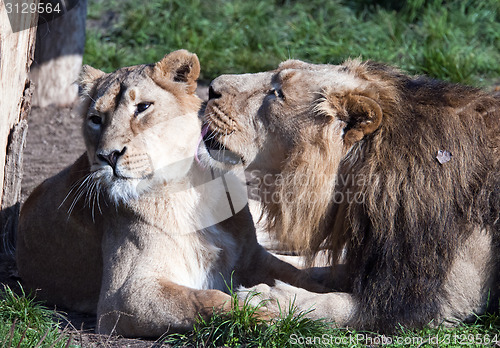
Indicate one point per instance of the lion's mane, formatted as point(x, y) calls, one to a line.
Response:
point(408, 212)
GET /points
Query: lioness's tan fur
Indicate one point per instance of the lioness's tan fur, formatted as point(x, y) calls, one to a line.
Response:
point(347, 160)
point(135, 229)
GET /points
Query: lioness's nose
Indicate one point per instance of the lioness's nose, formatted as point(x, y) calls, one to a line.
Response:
point(111, 157)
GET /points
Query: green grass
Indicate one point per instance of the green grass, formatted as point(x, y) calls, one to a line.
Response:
point(26, 323)
point(242, 328)
point(455, 40)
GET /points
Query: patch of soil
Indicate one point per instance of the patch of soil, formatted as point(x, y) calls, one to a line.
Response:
point(86, 339)
point(54, 142)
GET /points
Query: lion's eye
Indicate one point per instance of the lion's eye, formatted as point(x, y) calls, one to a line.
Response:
point(95, 119)
point(278, 92)
point(141, 107)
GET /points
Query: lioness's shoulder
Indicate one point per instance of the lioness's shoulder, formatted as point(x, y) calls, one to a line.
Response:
point(52, 189)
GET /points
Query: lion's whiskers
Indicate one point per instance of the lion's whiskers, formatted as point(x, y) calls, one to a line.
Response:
point(224, 141)
point(209, 123)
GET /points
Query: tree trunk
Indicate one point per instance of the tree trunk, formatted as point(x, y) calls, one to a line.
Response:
point(17, 39)
point(58, 55)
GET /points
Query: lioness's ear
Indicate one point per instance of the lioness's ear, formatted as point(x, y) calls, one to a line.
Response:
point(87, 78)
point(362, 115)
point(179, 66)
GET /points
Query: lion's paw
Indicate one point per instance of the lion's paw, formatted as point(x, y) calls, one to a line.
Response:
point(256, 296)
point(271, 298)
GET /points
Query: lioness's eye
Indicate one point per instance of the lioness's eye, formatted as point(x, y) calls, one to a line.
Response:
point(95, 119)
point(141, 107)
point(278, 93)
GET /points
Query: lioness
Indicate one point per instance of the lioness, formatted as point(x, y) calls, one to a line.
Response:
point(396, 176)
point(136, 229)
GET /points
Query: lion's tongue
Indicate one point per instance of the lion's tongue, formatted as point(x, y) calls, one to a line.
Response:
point(218, 152)
point(204, 131)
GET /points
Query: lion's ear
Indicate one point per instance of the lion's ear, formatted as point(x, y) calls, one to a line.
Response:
point(180, 66)
point(88, 77)
point(362, 115)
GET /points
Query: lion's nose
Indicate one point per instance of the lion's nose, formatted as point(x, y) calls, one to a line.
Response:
point(212, 93)
point(111, 158)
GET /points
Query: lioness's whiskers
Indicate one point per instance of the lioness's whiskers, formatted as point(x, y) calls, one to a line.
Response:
point(98, 190)
point(73, 187)
point(79, 193)
point(93, 193)
point(85, 186)
point(88, 195)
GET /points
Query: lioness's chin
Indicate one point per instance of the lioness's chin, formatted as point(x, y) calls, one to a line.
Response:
point(122, 191)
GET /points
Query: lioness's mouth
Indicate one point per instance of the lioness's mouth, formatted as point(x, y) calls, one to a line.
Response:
point(218, 151)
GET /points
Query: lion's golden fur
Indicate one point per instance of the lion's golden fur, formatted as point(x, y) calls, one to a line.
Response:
point(372, 133)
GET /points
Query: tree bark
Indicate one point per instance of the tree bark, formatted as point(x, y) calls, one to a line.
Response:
point(17, 42)
point(58, 56)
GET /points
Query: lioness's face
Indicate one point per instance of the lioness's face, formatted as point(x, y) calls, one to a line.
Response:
point(141, 126)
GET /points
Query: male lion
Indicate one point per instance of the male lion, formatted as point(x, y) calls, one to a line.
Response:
point(397, 177)
point(136, 229)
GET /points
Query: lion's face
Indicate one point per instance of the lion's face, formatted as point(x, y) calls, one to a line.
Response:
point(260, 118)
point(140, 126)
point(292, 128)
